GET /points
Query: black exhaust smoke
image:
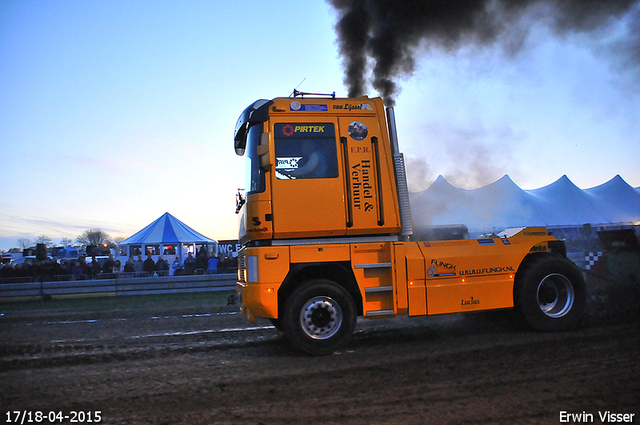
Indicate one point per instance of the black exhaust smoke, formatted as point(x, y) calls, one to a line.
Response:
point(387, 33)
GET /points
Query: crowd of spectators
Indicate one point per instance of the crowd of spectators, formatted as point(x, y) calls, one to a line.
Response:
point(94, 268)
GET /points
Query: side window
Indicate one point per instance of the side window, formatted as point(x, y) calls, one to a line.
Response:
point(306, 151)
point(152, 249)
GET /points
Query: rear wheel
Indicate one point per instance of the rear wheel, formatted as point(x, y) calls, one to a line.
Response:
point(319, 317)
point(550, 293)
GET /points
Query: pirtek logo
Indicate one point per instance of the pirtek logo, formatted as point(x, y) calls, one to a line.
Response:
point(309, 129)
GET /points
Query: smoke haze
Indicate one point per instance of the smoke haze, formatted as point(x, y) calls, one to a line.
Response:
point(384, 37)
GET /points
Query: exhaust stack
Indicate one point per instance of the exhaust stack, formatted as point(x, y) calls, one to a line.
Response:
point(401, 178)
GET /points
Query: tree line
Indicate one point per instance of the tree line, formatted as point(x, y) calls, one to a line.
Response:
point(88, 237)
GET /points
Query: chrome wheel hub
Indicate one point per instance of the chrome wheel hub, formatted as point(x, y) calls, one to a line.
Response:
point(321, 317)
point(555, 295)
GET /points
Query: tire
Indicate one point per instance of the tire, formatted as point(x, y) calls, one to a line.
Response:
point(319, 317)
point(550, 294)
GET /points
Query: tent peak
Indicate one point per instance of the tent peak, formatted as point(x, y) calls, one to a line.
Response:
point(166, 229)
point(441, 182)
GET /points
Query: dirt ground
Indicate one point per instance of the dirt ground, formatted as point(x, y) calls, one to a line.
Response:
point(208, 365)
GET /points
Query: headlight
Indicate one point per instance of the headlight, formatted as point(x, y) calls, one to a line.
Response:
point(252, 268)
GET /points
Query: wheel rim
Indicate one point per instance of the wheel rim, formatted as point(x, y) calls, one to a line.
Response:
point(321, 317)
point(555, 295)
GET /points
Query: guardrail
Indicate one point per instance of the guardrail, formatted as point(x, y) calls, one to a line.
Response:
point(63, 277)
point(117, 286)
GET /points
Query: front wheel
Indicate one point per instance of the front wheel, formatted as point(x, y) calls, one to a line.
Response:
point(319, 317)
point(550, 293)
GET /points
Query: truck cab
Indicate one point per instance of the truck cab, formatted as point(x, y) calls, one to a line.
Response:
point(316, 168)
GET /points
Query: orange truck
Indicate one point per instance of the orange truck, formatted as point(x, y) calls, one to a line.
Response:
point(326, 233)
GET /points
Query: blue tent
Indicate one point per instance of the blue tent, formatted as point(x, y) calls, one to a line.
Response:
point(167, 231)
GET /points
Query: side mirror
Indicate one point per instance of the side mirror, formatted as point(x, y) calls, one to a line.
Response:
point(257, 112)
point(240, 200)
point(240, 138)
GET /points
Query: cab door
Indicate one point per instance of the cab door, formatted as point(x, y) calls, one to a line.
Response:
point(371, 200)
point(307, 182)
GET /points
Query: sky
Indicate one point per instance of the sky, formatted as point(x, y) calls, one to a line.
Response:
point(113, 113)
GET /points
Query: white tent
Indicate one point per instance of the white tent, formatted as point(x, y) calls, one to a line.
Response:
point(503, 204)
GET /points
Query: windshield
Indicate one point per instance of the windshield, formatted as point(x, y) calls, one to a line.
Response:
point(255, 173)
point(305, 151)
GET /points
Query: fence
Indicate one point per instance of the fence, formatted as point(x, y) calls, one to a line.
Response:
point(117, 286)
